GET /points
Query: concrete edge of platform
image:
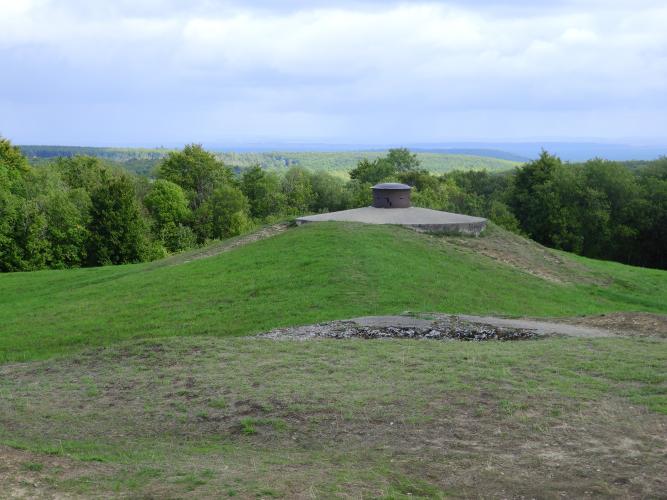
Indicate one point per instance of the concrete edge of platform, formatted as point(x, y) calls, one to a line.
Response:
point(467, 228)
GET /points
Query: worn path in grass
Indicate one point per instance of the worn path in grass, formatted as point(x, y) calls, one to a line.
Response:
point(607, 325)
point(223, 246)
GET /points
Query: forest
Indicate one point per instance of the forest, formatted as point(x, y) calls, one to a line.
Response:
point(80, 210)
point(143, 161)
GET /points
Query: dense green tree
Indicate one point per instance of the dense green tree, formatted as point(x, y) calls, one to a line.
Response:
point(608, 194)
point(373, 172)
point(650, 212)
point(65, 212)
point(419, 179)
point(176, 237)
point(263, 190)
point(359, 194)
point(403, 160)
point(224, 214)
point(329, 193)
point(23, 226)
point(167, 203)
point(499, 213)
point(168, 206)
point(82, 172)
point(298, 190)
point(15, 222)
point(10, 252)
point(30, 234)
point(537, 201)
point(13, 166)
point(118, 233)
point(481, 182)
point(398, 161)
point(197, 171)
point(433, 196)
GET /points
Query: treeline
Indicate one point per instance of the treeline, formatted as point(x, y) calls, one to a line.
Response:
point(80, 211)
point(599, 209)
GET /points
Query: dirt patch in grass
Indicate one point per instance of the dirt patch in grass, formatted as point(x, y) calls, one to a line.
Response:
point(255, 418)
point(223, 246)
point(526, 255)
point(626, 323)
point(25, 474)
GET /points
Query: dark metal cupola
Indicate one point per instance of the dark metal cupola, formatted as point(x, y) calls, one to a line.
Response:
point(391, 195)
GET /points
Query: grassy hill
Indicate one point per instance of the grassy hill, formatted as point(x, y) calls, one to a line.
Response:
point(308, 274)
point(137, 381)
point(142, 161)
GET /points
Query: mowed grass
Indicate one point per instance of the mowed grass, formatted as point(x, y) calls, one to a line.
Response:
point(224, 417)
point(308, 274)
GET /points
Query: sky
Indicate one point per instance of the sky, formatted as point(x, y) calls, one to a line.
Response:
point(170, 72)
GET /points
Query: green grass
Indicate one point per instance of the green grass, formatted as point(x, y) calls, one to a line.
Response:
point(371, 419)
point(138, 381)
point(313, 273)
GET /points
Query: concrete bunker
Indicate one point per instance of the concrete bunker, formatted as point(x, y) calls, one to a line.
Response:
point(391, 195)
point(392, 205)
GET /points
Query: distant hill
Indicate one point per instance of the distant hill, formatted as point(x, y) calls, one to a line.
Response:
point(567, 151)
point(116, 154)
point(340, 157)
point(143, 160)
point(340, 162)
point(485, 153)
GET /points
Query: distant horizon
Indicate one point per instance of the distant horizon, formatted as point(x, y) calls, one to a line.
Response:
point(336, 144)
point(520, 150)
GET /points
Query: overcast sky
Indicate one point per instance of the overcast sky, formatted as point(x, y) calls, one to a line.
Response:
point(167, 72)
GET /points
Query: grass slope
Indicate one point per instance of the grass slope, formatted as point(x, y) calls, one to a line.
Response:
point(308, 274)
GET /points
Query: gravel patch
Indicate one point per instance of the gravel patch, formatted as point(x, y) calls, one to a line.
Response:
point(451, 328)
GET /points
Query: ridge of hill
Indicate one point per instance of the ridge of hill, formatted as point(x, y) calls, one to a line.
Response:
point(308, 274)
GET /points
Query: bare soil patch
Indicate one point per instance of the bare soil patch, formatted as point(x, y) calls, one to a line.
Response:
point(625, 323)
point(224, 246)
point(526, 255)
point(25, 474)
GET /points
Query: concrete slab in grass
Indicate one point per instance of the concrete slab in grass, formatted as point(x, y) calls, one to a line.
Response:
point(421, 219)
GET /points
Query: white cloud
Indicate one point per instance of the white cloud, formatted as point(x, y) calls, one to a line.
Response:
point(328, 66)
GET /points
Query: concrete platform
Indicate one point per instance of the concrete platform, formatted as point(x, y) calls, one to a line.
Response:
point(421, 219)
